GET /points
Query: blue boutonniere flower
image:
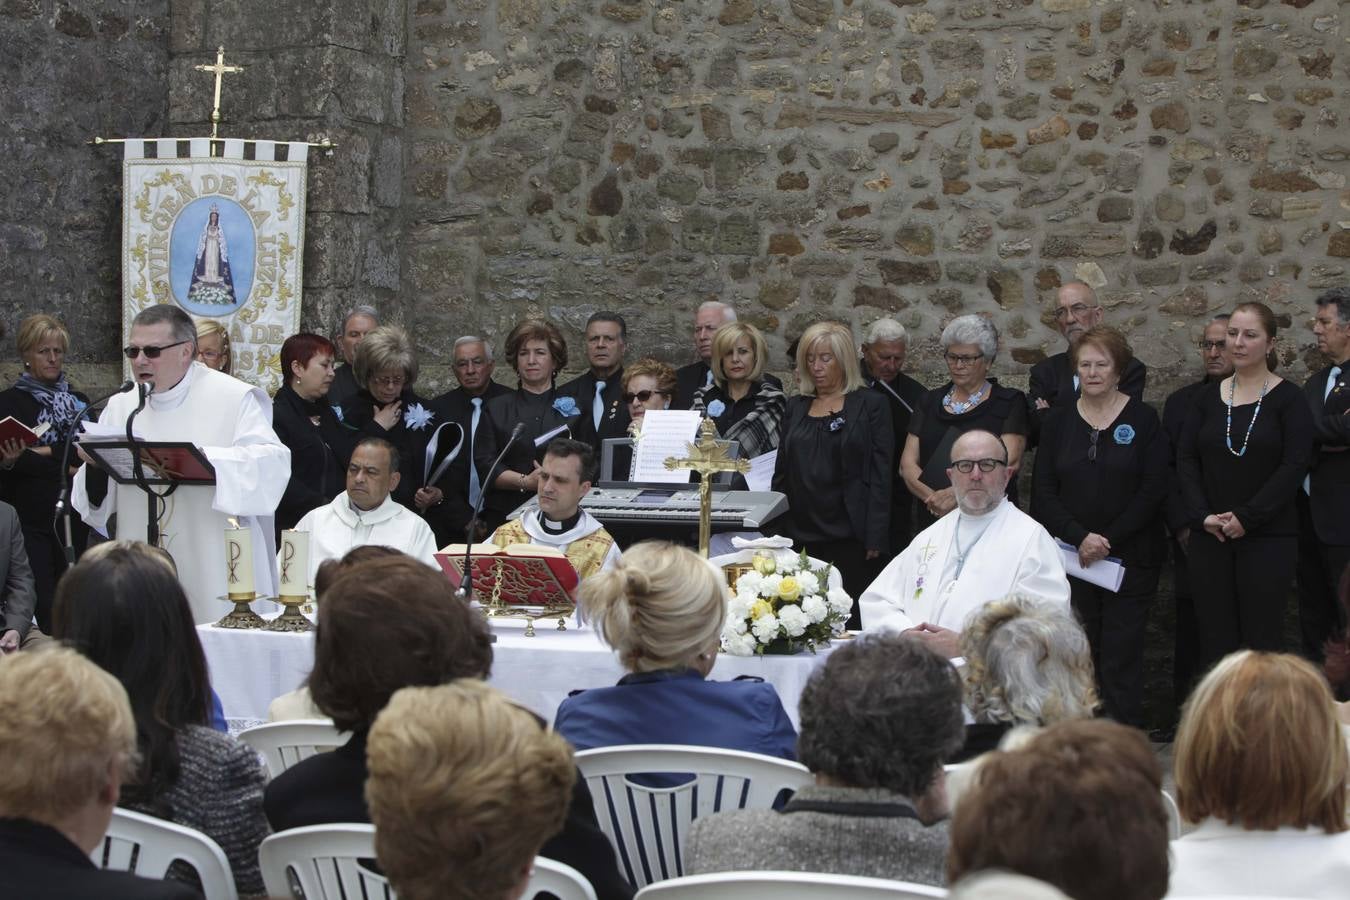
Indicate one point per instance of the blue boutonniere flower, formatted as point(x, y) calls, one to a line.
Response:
point(566, 406)
point(337, 411)
point(716, 408)
point(416, 417)
point(836, 423)
point(1123, 434)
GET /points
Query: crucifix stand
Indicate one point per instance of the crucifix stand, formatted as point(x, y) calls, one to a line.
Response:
point(220, 70)
point(707, 458)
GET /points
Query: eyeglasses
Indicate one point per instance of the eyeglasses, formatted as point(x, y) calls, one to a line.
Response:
point(212, 355)
point(1211, 345)
point(1076, 310)
point(643, 396)
point(390, 380)
point(150, 352)
point(1092, 445)
point(966, 466)
point(953, 359)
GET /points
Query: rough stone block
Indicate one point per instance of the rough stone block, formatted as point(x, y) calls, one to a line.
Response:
point(902, 272)
point(1093, 242)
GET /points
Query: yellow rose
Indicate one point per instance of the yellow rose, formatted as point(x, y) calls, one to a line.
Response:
point(789, 590)
point(764, 563)
point(760, 608)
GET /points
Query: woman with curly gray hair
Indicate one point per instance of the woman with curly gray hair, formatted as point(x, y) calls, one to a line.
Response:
point(970, 400)
point(1027, 663)
point(878, 720)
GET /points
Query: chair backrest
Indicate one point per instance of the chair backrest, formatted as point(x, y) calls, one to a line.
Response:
point(322, 862)
point(647, 820)
point(147, 846)
point(784, 886)
point(558, 879)
point(1173, 817)
point(283, 744)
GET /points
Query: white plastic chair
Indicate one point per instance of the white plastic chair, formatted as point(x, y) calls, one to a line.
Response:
point(283, 744)
point(783, 886)
point(558, 879)
point(648, 825)
point(1173, 817)
point(147, 846)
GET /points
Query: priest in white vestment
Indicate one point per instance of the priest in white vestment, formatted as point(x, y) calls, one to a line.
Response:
point(983, 550)
point(556, 519)
point(366, 512)
point(231, 422)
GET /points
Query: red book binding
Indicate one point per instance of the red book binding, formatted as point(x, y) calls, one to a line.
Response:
point(530, 575)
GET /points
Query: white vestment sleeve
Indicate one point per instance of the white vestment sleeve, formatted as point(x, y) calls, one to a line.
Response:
point(95, 517)
point(422, 543)
point(879, 606)
point(252, 473)
point(612, 557)
point(1040, 573)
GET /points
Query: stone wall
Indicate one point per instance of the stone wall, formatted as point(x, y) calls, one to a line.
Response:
point(803, 159)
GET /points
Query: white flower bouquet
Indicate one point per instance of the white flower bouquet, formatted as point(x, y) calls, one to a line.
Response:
point(783, 603)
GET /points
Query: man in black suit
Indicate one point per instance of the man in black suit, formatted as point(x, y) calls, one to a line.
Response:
point(1323, 504)
point(1186, 636)
point(710, 316)
point(883, 356)
point(355, 326)
point(599, 391)
point(1052, 381)
point(67, 737)
point(18, 595)
point(462, 482)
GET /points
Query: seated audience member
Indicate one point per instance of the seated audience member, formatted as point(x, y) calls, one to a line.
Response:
point(306, 423)
point(984, 549)
point(879, 718)
point(1260, 766)
point(68, 740)
point(1027, 663)
point(558, 520)
point(18, 595)
point(744, 407)
point(648, 384)
point(662, 609)
point(464, 789)
point(1078, 807)
point(386, 624)
point(126, 611)
point(366, 512)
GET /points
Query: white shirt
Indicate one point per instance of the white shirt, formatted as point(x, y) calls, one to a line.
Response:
point(338, 527)
point(1218, 858)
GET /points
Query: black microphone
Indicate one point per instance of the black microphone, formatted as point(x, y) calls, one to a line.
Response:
point(63, 497)
point(466, 583)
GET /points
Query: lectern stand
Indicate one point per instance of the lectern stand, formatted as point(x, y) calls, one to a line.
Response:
point(150, 465)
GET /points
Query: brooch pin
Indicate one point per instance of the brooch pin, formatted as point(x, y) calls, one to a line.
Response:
point(836, 423)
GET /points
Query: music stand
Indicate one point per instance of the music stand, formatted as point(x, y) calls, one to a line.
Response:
point(722, 481)
point(151, 464)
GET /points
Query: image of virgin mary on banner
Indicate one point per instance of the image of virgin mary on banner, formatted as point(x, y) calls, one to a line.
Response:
point(211, 282)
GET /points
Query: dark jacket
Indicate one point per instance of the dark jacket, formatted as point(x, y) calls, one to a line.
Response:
point(690, 378)
point(330, 787)
point(614, 421)
point(1330, 496)
point(408, 436)
point(37, 862)
point(1175, 410)
point(32, 485)
point(867, 463)
point(902, 396)
point(344, 387)
point(319, 453)
point(450, 519)
point(16, 579)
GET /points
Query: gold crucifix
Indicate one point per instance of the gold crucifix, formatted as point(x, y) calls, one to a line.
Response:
point(707, 457)
point(220, 70)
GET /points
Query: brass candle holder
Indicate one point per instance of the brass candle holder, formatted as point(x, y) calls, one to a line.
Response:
point(291, 618)
point(241, 616)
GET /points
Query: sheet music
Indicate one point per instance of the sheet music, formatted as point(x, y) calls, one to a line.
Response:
point(100, 431)
point(1107, 573)
point(760, 476)
point(665, 433)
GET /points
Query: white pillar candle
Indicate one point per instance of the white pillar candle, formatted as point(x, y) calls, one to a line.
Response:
point(239, 563)
point(294, 563)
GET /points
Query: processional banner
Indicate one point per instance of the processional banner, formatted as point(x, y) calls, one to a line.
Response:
point(222, 237)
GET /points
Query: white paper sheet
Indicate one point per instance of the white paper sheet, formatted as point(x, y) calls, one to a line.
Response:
point(1107, 573)
point(665, 433)
point(760, 476)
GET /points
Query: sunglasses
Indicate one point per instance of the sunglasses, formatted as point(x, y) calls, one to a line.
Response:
point(966, 466)
point(150, 352)
point(643, 396)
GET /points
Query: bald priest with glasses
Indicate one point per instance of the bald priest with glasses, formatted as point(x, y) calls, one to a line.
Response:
point(983, 550)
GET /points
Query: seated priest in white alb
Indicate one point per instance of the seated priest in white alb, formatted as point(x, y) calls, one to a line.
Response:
point(231, 421)
point(365, 513)
point(983, 550)
point(556, 519)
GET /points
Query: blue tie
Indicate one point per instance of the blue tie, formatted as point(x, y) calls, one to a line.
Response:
point(1332, 375)
point(475, 486)
point(598, 407)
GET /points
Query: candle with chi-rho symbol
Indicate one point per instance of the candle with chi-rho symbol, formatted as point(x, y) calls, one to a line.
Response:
point(295, 564)
point(239, 562)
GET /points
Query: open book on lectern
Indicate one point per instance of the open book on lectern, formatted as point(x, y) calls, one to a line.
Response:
point(162, 462)
point(530, 575)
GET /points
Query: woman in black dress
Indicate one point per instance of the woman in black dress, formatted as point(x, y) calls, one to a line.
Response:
point(970, 400)
point(834, 461)
point(308, 425)
point(1243, 456)
point(538, 352)
point(744, 407)
point(1102, 474)
point(30, 477)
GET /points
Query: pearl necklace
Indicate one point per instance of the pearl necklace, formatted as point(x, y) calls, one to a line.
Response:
point(1228, 426)
point(958, 407)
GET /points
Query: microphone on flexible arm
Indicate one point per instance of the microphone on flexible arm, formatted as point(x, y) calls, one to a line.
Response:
point(63, 496)
point(466, 583)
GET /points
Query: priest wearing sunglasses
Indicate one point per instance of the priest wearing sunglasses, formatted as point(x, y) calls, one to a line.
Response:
point(983, 550)
point(231, 422)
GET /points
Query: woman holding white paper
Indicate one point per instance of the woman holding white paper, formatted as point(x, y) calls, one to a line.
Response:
point(1101, 478)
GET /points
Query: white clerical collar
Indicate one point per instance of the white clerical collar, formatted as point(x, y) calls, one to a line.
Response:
point(174, 396)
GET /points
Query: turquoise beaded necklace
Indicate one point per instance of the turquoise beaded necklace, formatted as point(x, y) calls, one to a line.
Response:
point(1228, 427)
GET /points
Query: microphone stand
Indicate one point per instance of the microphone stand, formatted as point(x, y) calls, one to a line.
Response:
point(138, 473)
point(62, 512)
point(466, 583)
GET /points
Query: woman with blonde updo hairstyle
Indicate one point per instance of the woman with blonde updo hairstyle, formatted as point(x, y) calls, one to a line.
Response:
point(662, 610)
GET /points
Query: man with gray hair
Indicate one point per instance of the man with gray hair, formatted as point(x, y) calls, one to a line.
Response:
point(710, 316)
point(883, 356)
point(359, 322)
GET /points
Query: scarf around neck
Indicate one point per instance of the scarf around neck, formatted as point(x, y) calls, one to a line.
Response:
point(59, 406)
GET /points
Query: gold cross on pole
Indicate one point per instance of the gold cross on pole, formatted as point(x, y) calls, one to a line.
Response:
point(220, 70)
point(707, 457)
